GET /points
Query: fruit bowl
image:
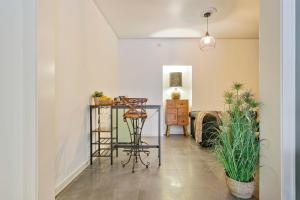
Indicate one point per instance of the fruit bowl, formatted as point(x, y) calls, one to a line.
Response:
point(105, 102)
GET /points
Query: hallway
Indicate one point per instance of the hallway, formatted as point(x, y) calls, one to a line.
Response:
point(187, 172)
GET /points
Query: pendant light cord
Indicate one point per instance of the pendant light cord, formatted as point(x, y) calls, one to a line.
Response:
point(207, 24)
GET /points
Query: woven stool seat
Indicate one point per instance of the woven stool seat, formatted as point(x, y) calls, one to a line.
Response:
point(135, 115)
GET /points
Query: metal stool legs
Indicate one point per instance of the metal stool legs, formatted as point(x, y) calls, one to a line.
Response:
point(135, 127)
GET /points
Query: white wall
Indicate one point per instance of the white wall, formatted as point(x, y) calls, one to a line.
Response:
point(85, 48)
point(46, 98)
point(30, 181)
point(11, 52)
point(141, 62)
point(86, 60)
point(270, 160)
point(17, 102)
point(297, 99)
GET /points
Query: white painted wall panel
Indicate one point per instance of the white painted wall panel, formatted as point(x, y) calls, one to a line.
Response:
point(86, 60)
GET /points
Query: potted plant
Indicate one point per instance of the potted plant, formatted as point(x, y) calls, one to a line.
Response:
point(97, 97)
point(237, 146)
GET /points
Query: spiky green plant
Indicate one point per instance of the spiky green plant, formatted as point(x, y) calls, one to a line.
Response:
point(97, 94)
point(237, 145)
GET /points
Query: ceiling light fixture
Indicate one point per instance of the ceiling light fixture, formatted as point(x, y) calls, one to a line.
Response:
point(208, 41)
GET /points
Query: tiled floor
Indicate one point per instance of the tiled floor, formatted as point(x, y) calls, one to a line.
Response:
point(187, 172)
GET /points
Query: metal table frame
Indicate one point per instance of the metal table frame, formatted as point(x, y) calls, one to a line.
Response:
point(115, 144)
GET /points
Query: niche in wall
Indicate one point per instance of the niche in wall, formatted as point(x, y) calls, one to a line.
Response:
point(186, 89)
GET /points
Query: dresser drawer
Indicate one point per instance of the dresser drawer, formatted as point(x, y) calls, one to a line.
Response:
point(171, 118)
point(171, 104)
point(183, 112)
point(171, 111)
point(182, 121)
point(182, 104)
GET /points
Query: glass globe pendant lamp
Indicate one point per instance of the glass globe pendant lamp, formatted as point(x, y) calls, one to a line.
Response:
point(207, 41)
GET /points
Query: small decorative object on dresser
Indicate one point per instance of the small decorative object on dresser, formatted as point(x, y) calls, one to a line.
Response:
point(177, 113)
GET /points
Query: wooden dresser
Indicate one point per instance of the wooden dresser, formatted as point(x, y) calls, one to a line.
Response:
point(177, 113)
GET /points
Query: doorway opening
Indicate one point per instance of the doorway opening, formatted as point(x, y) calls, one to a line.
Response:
point(185, 90)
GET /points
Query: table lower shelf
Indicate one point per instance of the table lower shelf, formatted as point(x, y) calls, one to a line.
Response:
point(102, 153)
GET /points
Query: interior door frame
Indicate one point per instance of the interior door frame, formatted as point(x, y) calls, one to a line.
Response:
point(288, 106)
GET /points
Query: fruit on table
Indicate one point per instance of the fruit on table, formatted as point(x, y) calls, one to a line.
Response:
point(105, 98)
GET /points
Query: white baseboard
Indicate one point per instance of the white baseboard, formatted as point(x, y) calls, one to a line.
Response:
point(59, 187)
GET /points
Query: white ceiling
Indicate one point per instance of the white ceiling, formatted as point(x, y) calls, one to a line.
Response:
point(181, 18)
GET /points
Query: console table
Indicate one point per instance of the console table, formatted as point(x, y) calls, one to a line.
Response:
point(112, 142)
